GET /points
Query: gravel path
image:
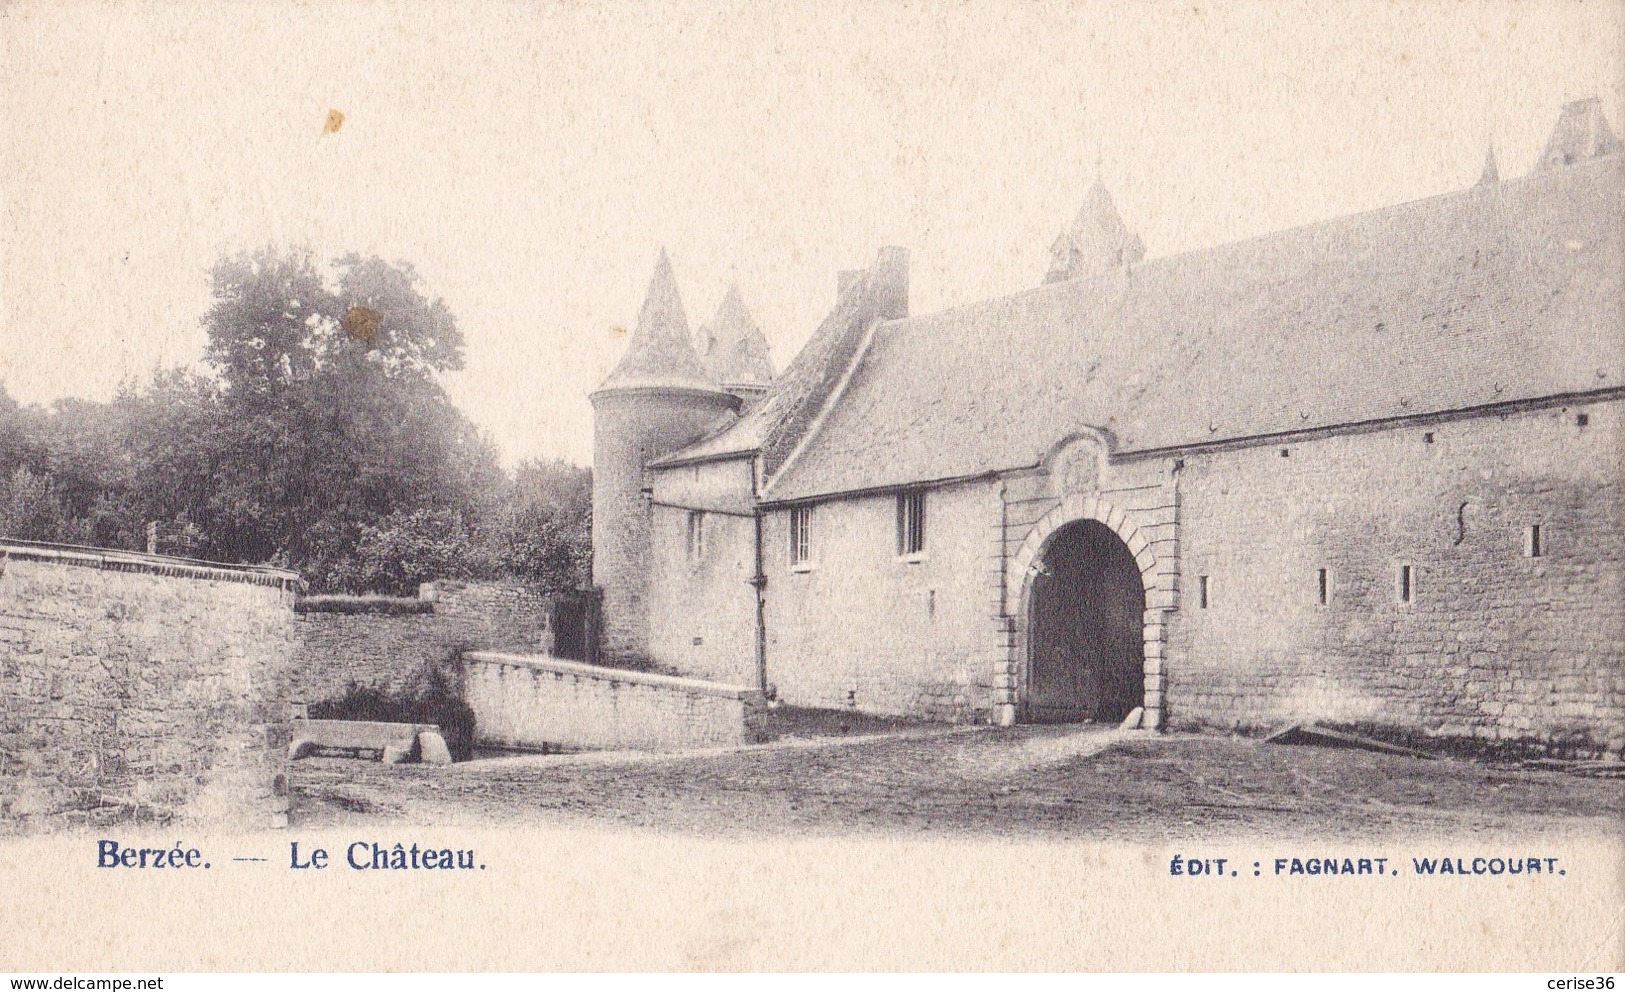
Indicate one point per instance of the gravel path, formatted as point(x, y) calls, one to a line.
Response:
point(924, 781)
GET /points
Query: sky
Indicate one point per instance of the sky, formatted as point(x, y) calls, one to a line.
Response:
point(531, 159)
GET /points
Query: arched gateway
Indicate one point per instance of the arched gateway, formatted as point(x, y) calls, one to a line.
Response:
point(1085, 629)
point(1090, 602)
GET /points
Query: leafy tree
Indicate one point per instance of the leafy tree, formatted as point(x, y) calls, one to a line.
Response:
point(319, 438)
point(32, 508)
point(335, 419)
point(11, 433)
point(171, 430)
point(545, 535)
point(404, 550)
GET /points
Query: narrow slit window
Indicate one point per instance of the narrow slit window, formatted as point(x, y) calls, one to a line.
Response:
point(1323, 581)
point(910, 523)
point(801, 535)
point(1202, 591)
point(1407, 584)
point(696, 534)
point(1532, 547)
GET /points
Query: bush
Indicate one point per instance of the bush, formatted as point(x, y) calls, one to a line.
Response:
point(432, 699)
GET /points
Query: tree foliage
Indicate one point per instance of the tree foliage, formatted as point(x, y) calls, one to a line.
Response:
point(319, 438)
point(545, 532)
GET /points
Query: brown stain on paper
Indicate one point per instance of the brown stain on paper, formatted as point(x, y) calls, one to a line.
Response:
point(362, 323)
point(335, 120)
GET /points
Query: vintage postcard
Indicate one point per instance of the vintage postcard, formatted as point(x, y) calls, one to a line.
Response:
point(807, 486)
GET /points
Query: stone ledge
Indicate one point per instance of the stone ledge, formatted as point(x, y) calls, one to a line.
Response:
point(373, 605)
point(545, 663)
point(112, 560)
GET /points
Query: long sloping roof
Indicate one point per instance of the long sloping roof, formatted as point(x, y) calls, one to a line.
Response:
point(1500, 292)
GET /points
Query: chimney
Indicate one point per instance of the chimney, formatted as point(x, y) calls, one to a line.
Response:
point(888, 283)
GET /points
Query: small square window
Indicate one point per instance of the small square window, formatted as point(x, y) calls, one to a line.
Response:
point(910, 523)
point(801, 535)
point(1407, 584)
point(1582, 419)
point(696, 534)
point(1532, 546)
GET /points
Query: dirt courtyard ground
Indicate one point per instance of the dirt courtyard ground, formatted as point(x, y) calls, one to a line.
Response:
point(1034, 781)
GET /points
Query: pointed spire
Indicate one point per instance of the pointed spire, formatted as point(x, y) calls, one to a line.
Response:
point(1492, 173)
point(732, 347)
point(1098, 240)
point(1582, 132)
point(1098, 220)
point(660, 353)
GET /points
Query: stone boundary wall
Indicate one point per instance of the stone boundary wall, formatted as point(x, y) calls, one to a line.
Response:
point(528, 701)
point(1494, 643)
point(345, 641)
point(141, 688)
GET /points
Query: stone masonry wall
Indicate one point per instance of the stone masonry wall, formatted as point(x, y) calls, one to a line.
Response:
point(630, 428)
point(527, 702)
point(865, 627)
point(135, 688)
point(1496, 644)
point(393, 650)
point(702, 606)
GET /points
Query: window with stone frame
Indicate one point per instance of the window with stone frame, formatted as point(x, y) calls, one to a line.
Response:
point(801, 535)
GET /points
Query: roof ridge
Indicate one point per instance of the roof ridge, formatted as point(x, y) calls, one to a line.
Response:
point(1151, 263)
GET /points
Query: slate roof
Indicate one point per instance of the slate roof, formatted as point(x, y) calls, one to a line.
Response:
point(1499, 292)
point(660, 354)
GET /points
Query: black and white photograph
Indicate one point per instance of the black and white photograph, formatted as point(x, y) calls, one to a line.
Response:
point(812, 486)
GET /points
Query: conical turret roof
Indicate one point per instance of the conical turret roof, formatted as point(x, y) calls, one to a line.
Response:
point(1097, 241)
point(732, 348)
point(660, 354)
point(1582, 132)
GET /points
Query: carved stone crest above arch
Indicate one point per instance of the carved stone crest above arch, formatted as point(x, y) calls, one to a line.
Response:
point(1077, 463)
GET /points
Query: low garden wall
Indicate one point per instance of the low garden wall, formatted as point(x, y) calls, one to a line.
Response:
point(532, 701)
point(391, 642)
